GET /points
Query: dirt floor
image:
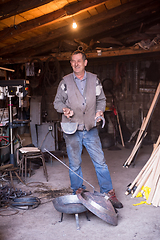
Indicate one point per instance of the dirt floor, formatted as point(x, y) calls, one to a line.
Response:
point(42, 222)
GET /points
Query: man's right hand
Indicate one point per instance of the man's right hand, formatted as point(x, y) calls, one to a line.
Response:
point(68, 112)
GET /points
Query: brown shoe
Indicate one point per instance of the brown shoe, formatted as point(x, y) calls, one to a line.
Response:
point(113, 199)
point(79, 190)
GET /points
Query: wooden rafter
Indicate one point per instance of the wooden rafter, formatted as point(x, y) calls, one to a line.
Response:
point(62, 32)
point(48, 18)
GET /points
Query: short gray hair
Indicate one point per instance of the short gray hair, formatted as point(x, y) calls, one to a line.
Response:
point(81, 52)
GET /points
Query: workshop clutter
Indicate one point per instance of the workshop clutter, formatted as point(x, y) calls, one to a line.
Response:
point(4, 114)
point(147, 182)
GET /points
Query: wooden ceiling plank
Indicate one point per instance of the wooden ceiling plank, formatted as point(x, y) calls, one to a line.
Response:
point(15, 7)
point(101, 8)
point(39, 51)
point(112, 4)
point(82, 5)
point(15, 20)
point(47, 8)
point(11, 41)
point(29, 25)
point(2, 26)
point(93, 11)
point(27, 16)
point(2, 45)
point(113, 25)
point(9, 22)
point(71, 1)
point(124, 1)
point(81, 16)
point(4, 1)
point(35, 13)
point(61, 3)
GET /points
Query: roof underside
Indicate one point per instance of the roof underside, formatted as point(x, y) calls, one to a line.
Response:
point(30, 29)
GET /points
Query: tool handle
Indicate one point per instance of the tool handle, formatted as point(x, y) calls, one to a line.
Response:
point(68, 167)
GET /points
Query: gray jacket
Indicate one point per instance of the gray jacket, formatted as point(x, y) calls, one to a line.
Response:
point(84, 106)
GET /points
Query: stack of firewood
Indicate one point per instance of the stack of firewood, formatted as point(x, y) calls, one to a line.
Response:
point(149, 178)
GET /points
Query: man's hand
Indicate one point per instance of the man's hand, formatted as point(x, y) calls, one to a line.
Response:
point(99, 114)
point(68, 112)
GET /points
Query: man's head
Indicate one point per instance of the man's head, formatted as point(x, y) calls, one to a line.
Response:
point(78, 62)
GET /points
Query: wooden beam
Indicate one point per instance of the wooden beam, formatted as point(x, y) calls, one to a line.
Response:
point(104, 54)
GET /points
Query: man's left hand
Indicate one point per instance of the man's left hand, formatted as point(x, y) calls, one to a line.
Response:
point(99, 114)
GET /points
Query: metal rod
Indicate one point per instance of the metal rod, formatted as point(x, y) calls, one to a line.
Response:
point(68, 167)
point(12, 160)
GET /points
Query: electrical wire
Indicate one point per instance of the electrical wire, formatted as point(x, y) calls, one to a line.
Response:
point(7, 210)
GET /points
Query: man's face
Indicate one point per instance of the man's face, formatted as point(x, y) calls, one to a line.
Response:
point(78, 64)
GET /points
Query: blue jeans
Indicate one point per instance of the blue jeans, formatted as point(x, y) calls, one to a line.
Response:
point(91, 141)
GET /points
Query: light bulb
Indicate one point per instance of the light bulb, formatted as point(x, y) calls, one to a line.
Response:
point(74, 25)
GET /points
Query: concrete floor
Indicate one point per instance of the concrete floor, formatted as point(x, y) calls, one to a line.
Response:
point(42, 223)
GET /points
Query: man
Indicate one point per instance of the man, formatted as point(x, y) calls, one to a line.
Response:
point(80, 99)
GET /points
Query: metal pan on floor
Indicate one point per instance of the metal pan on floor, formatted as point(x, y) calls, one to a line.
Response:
point(96, 202)
point(100, 206)
point(69, 204)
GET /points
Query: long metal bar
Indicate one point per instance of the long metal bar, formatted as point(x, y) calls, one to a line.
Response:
point(68, 167)
point(12, 160)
